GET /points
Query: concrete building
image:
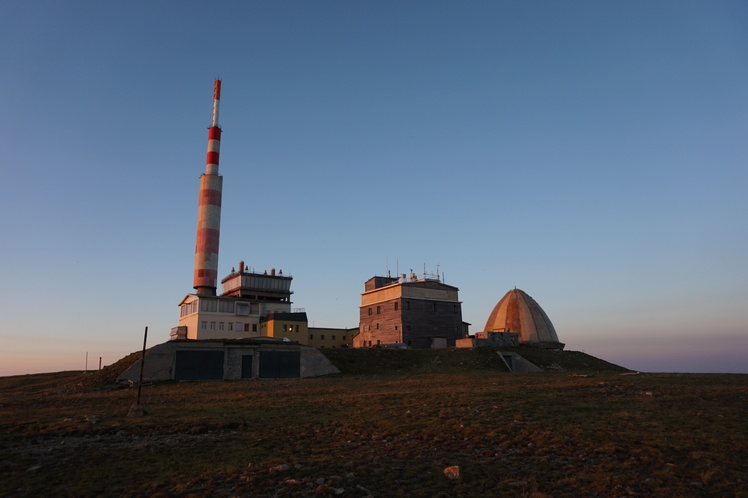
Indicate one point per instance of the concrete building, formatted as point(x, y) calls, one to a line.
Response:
point(420, 312)
point(325, 337)
point(247, 298)
point(229, 360)
point(295, 327)
point(519, 313)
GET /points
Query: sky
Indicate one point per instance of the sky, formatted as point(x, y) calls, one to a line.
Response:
point(591, 153)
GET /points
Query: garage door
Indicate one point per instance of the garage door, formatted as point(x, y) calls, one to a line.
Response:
point(280, 364)
point(199, 365)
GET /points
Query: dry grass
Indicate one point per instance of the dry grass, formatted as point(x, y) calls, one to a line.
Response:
point(386, 434)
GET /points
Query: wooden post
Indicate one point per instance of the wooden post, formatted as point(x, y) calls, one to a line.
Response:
point(137, 410)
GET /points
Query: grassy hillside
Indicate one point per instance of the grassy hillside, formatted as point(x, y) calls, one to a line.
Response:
point(381, 361)
point(381, 434)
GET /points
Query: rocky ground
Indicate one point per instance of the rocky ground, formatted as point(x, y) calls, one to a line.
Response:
point(482, 432)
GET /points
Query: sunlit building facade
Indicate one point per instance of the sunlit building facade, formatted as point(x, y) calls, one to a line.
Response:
point(247, 298)
point(412, 311)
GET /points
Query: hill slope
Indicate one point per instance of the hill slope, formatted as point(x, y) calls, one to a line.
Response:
point(383, 361)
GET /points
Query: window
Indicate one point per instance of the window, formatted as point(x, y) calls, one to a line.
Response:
point(333, 337)
point(407, 305)
point(378, 342)
point(239, 326)
point(226, 306)
point(188, 308)
point(322, 337)
point(254, 327)
point(290, 328)
point(311, 337)
point(297, 329)
point(369, 311)
point(203, 325)
point(212, 325)
point(220, 325)
point(379, 309)
point(397, 305)
point(396, 327)
point(344, 338)
point(208, 305)
point(433, 306)
point(246, 327)
point(243, 309)
point(231, 325)
point(454, 308)
point(377, 326)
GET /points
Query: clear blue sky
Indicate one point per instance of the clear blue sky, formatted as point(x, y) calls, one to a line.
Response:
point(591, 153)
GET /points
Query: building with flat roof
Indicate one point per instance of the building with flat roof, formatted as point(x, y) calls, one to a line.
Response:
point(295, 327)
point(417, 311)
point(247, 298)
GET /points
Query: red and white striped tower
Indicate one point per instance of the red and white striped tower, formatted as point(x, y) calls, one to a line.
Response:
point(209, 210)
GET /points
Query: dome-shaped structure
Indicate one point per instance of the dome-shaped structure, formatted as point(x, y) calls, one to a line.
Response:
point(518, 312)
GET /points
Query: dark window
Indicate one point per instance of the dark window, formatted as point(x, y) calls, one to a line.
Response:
point(378, 309)
point(396, 306)
point(434, 306)
point(369, 311)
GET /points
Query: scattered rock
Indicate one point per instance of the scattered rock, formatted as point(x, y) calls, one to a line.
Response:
point(363, 489)
point(136, 411)
point(453, 472)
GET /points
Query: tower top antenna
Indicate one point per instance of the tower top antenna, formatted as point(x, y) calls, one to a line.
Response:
point(216, 102)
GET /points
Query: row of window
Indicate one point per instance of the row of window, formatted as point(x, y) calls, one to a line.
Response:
point(376, 327)
point(219, 305)
point(396, 307)
point(322, 337)
point(238, 326)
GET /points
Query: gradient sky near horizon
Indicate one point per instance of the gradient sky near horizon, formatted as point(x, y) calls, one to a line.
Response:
point(591, 153)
